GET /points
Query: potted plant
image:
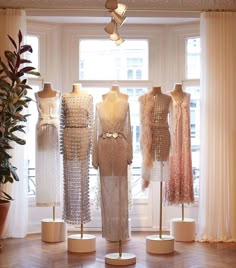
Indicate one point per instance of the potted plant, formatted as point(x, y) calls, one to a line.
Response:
point(13, 100)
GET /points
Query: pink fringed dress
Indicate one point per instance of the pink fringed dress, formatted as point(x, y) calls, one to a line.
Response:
point(179, 188)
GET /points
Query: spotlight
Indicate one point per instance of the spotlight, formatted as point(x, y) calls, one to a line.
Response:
point(121, 9)
point(119, 41)
point(111, 4)
point(118, 19)
point(111, 27)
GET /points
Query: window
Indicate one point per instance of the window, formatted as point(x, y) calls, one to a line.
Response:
point(101, 60)
point(193, 87)
point(127, 62)
point(193, 58)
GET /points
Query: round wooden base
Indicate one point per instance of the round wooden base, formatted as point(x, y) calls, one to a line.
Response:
point(183, 230)
point(53, 231)
point(157, 245)
point(125, 259)
point(86, 244)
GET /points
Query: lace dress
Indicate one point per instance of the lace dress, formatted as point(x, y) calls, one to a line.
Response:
point(179, 189)
point(47, 158)
point(155, 136)
point(112, 153)
point(76, 131)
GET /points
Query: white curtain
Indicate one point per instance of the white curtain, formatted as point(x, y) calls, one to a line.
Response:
point(217, 211)
point(11, 21)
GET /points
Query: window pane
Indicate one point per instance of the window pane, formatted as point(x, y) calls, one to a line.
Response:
point(103, 60)
point(193, 58)
point(195, 134)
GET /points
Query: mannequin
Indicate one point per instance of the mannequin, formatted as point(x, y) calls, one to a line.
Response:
point(156, 90)
point(112, 153)
point(47, 161)
point(48, 105)
point(116, 88)
point(47, 91)
point(155, 145)
point(76, 90)
point(179, 189)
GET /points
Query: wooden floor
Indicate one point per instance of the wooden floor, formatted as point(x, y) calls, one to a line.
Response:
point(31, 252)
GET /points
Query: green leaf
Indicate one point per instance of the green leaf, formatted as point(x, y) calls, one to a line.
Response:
point(12, 41)
point(20, 36)
point(34, 73)
point(22, 61)
point(27, 69)
point(18, 128)
point(25, 48)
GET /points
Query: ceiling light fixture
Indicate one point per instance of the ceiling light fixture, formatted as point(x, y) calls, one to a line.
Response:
point(117, 11)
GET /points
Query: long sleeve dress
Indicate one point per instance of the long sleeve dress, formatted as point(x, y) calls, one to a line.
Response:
point(179, 188)
point(155, 136)
point(76, 139)
point(47, 157)
point(112, 153)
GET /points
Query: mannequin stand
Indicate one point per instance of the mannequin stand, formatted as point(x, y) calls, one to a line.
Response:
point(120, 258)
point(53, 230)
point(160, 244)
point(183, 229)
point(81, 243)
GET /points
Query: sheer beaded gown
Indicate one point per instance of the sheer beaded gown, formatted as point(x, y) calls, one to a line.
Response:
point(47, 171)
point(112, 153)
point(155, 135)
point(76, 135)
point(179, 189)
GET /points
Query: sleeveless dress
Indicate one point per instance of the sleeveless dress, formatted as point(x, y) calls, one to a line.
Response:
point(155, 136)
point(47, 165)
point(179, 189)
point(112, 153)
point(76, 131)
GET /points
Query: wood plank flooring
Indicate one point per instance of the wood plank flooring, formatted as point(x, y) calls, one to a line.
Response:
point(31, 252)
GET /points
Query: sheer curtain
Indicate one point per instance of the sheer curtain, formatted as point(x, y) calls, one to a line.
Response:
point(11, 21)
point(217, 211)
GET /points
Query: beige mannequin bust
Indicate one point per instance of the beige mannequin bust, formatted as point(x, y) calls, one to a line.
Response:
point(178, 94)
point(47, 91)
point(116, 88)
point(155, 90)
point(76, 90)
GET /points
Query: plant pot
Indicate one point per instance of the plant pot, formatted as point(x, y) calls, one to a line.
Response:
point(4, 207)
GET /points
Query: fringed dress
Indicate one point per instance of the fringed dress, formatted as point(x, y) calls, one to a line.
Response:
point(76, 131)
point(179, 189)
point(112, 153)
point(47, 165)
point(155, 136)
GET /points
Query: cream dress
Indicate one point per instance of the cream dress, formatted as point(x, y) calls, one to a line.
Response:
point(112, 153)
point(76, 131)
point(47, 166)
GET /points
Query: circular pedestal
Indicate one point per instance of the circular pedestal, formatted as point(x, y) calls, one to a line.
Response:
point(53, 231)
point(125, 259)
point(183, 230)
point(86, 244)
point(157, 245)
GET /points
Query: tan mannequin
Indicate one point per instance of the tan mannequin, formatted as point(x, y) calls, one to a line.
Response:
point(116, 88)
point(177, 94)
point(112, 105)
point(156, 90)
point(76, 90)
point(47, 91)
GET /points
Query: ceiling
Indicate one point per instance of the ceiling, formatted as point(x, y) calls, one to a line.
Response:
point(139, 11)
